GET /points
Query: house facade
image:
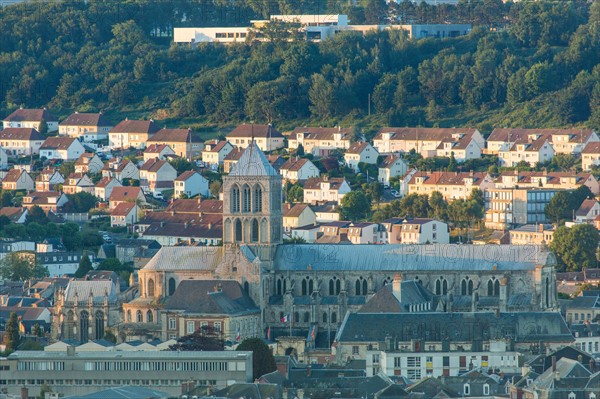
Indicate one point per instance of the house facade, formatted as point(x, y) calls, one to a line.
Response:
point(63, 148)
point(87, 126)
point(392, 166)
point(452, 185)
point(324, 189)
point(182, 141)
point(157, 175)
point(215, 152)
point(360, 152)
point(266, 137)
point(424, 231)
point(77, 183)
point(104, 187)
point(121, 169)
point(297, 215)
point(31, 118)
point(132, 134)
point(534, 152)
point(506, 207)
point(123, 215)
point(298, 169)
point(48, 201)
point(158, 151)
point(190, 184)
point(320, 141)
point(590, 156)
point(21, 141)
point(17, 179)
point(88, 163)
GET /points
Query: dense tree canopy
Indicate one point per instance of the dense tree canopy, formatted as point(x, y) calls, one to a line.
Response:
point(263, 361)
point(540, 69)
point(576, 247)
point(203, 339)
point(21, 266)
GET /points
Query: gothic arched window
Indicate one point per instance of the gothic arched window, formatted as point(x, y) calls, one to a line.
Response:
point(149, 317)
point(493, 287)
point(235, 199)
point(360, 287)
point(246, 199)
point(466, 286)
point(151, 288)
point(238, 230)
point(99, 324)
point(84, 325)
point(138, 316)
point(254, 235)
point(258, 199)
point(171, 286)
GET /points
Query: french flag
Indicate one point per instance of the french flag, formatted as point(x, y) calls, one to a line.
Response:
point(238, 336)
point(285, 318)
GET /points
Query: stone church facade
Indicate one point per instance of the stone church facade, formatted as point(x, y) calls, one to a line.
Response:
point(309, 287)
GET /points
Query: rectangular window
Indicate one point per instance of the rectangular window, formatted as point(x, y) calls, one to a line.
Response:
point(355, 350)
point(190, 327)
point(172, 324)
point(217, 326)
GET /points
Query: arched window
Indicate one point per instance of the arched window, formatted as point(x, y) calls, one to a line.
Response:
point(246, 199)
point(364, 287)
point(307, 286)
point(138, 316)
point(296, 317)
point(441, 286)
point(357, 287)
point(84, 325)
point(466, 389)
point(257, 199)
point(129, 315)
point(68, 333)
point(149, 317)
point(335, 286)
point(331, 287)
point(235, 199)
point(304, 287)
point(361, 286)
point(466, 286)
point(171, 286)
point(278, 287)
point(99, 324)
point(333, 317)
point(310, 287)
point(254, 235)
point(151, 288)
point(247, 287)
point(547, 291)
point(497, 287)
point(324, 317)
point(493, 287)
point(306, 317)
point(238, 230)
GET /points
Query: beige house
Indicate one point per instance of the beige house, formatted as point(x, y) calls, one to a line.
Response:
point(319, 141)
point(297, 215)
point(182, 141)
point(48, 179)
point(588, 211)
point(65, 148)
point(104, 188)
point(392, 166)
point(231, 159)
point(17, 179)
point(533, 152)
point(424, 231)
point(323, 189)
point(87, 126)
point(77, 183)
point(132, 134)
point(120, 169)
point(426, 141)
point(590, 156)
point(557, 180)
point(452, 185)
point(215, 152)
point(563, 141)
point(157, 175)
point(21, 140)
point(299, 169)
point(158, 151)
point(266, 137)
point(88, 163)
point(48, 201)
point(123, 215)
point(532, 234)
point(31, 118)
point(360, 152)
point(462, 146)
point(366, 233)
point(126, 194)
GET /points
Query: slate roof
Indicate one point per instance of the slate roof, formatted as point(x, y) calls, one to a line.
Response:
point(57, 143)
point(400, 257)
point(81, 290)
point(250, 390)
point(572, 375)
point(198, 230)
point(85, 119)
point(253, 162)
point(457, 327)
point(135, 126)
point(21, 133)
point(31, 115)
point(262, 131)
point(124, 392)
point(386, 302)
point(192, 206)
point(211, 297)
point(202, 258)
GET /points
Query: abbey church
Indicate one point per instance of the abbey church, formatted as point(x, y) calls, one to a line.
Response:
point(262, 287)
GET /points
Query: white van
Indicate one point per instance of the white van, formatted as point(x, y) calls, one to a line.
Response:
point(158, 195)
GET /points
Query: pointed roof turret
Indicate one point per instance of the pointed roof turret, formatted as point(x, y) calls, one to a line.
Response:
point(253, 162)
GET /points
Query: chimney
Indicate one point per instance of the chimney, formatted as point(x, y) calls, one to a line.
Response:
point(541, 228)
point(24, 393)
point(396, 287)
point(553, 364)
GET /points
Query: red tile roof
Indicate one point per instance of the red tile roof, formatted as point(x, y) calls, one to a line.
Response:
point(31, 115)
point(315, 183)
point(448, 178)
point(13, 176)
point(58, 143)
point(21, 133)
point(123, 209)
point(592, 148)
point(421, 133)
point(262, 131)
point(186, 175)
point(136, 126)
point(321, 133)
point(125, 193)
point(174, 136)
point(85, 119)
point(294, 164)
point(357, 148)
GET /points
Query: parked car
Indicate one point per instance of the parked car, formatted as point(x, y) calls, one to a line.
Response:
point(158, 195)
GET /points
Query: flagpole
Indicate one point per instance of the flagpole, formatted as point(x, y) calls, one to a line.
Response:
point(291, 319)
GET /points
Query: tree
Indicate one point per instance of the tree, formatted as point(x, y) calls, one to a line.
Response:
point(21, 266)
point(557, 209)
point(215, 188)
point(45, 389)
point(263, 361)
point(575, 247)
point(43, 127)
point(112, 264)
point(37, 215)
point(12, 333)
point(110, 336)
point(438, 205)
point(181, 165)
point(203, 339)
point(355, 205)
point(37, 331)
point(300, 150)
point(81, 202)
point(85, 265)
point(296, 193)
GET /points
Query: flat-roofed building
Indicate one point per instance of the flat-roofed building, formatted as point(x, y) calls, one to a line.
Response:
point(78, 373)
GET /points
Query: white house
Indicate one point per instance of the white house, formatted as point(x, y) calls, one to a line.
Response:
point(48, 179)
point(539, 150)
point(190, 184)
point(405, 180)
point(366, 233)
point(424, 231)
point(215, 152)
point(158, 151)
point(87, 126)
point(266, 137)
point(31, 118)
point(157, 175)
point(463, 148)
point(17, 179)
point(65, 148)
point(392, 166)
point(326, 212)
point(48, 201)
point(588, 211)
point(77, 183)
point(88, 163)
point(308, 233)
point(563, 141)
point(360, 152)
point(104, 188)
point(452, 185)
point(132, 133)
point(21, 140)
point(325, 189)
point(120, 169)
point(319, 141)
point(124, 214)
point(296, 169)
point(590, 156)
